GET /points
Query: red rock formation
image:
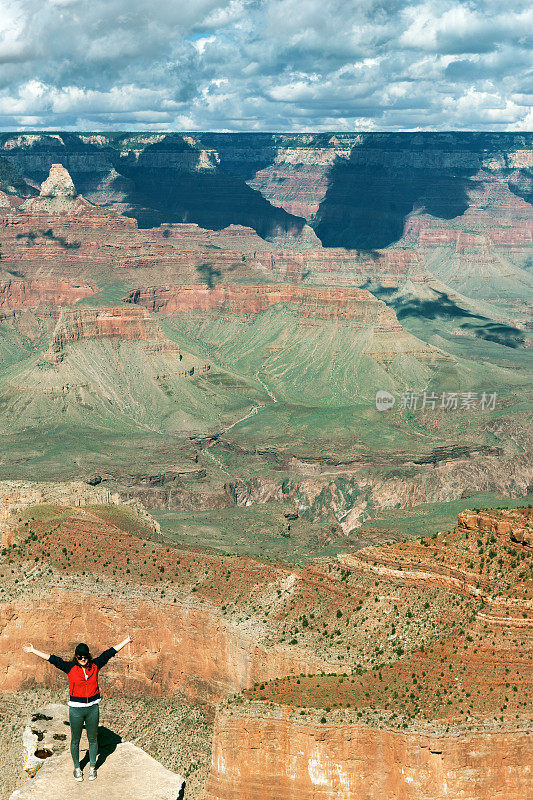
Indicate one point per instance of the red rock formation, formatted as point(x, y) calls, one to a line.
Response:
point(484, 252)
point(60, 234)
point(66, 237)
point(306, 761)
point(494, 213)
point(298, 179)
point(15, 496)
point(185, 644)
point(335, 265)
point(511, 525)
point(189, 645)
point(323, 302)
point(456, 561)
point(183, 647)
point(310, 301)
point(94, 323)
point(43, 292)
point(488, 670)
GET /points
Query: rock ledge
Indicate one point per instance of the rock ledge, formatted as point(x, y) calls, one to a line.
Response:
point(123, 769)
point(128, 772)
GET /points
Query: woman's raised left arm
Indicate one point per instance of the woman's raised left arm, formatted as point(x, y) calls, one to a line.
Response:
point(122, 644)
point(104, 657)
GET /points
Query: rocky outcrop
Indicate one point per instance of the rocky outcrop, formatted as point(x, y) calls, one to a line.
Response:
point(43, 292)
point(45, 735)
point(351, 489)
point(128, 323)
point(57, 195)
point(15, 496)
point(297, 180)
point(512, 526)
point(127, 772)
point(65, 238)
point(455, 562)
point(385, 340)
point(349, 761)
point(485, 252)
point(58, 184)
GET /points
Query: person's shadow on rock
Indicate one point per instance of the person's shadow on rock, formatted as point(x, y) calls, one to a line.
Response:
point(107, 743)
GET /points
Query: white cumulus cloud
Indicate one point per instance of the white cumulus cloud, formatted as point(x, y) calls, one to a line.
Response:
point(266, 64)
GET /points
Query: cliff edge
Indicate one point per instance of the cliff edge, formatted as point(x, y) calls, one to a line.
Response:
point(128, 772)
point(123, 770)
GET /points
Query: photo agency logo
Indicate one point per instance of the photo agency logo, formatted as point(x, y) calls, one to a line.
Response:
point(384, 400)
point(429, 401)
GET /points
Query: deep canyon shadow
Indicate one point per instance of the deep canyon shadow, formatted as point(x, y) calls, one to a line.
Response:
point(442, 306)
point(370, 195)
point(172, 185)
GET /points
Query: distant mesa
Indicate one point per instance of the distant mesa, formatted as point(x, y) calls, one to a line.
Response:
point(374, 325)
point(357, 190)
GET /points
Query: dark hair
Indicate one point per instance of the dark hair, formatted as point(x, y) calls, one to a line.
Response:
point(82, 650)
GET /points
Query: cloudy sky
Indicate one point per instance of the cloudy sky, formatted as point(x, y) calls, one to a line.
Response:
point(272, 65)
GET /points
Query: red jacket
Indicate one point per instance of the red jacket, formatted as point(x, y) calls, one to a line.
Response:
point(83, 681)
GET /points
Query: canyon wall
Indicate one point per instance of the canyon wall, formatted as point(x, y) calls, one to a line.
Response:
point(42, 292)
point(309, 301)
point(64, 240)
point(356, 189)
point(15, 496)
point(186, 646)
point(310, 761)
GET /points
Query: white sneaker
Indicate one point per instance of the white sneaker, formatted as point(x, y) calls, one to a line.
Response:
point(92, 773)
point(78, 774)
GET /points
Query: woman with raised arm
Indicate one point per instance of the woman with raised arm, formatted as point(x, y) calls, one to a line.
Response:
point(84, 697)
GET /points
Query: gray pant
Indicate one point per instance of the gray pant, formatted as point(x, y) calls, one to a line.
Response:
point(91, 717)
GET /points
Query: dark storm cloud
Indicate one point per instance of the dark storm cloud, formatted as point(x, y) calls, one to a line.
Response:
point(265, 64)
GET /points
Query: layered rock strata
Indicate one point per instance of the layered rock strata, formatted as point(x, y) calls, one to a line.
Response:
point(95, 323)
point(357, 306)
point(43, 292)
point(208, 626)
point(309, 301)
point(15, 496)
point(185, 647)
point(312, 760)
point(451, 718)
point(59, 235)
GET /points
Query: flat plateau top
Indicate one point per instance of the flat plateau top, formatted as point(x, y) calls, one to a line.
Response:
point(128, 772)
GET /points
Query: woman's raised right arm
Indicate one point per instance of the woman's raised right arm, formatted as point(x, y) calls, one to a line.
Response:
point(29, 648)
